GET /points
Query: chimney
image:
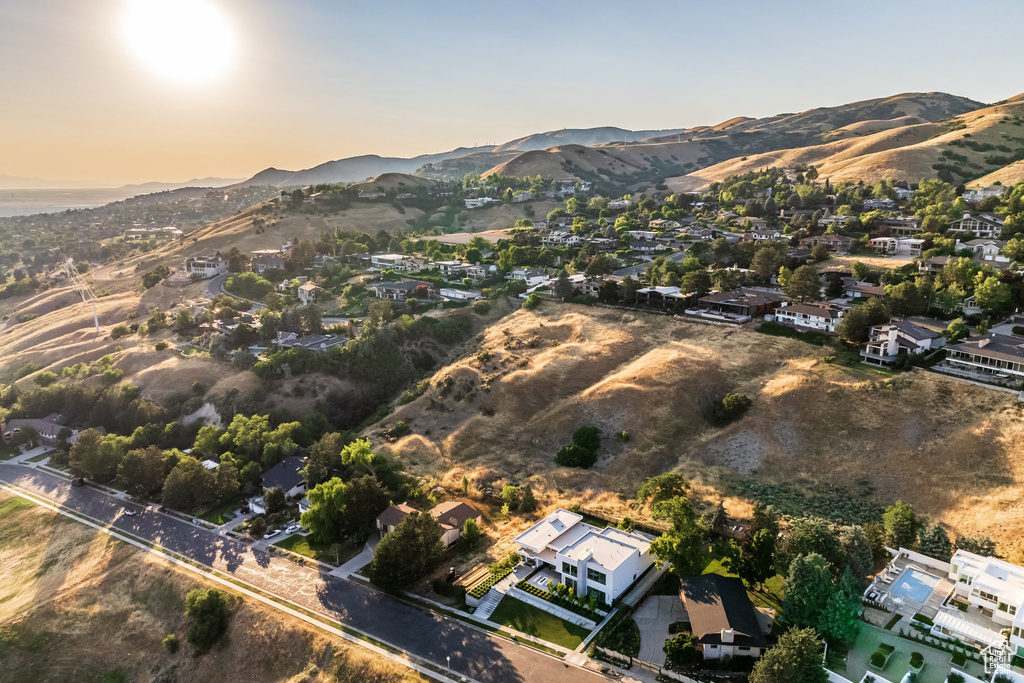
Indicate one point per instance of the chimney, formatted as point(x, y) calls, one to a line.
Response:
point(728, 635)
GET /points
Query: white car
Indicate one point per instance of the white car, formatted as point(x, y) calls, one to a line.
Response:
point(130, 513)
point(294, 528)
point(271, 534)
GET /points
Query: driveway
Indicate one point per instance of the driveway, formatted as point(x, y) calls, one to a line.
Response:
point(653, 616)
point(473, 651)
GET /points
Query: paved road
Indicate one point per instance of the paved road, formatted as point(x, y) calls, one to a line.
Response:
point(474, 653)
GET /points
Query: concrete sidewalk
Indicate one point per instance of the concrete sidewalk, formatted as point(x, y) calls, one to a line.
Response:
point(364, 558)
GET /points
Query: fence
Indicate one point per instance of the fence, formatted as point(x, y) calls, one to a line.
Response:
point(653, 529)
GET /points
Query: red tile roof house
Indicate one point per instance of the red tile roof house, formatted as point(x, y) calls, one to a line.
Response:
point(451, 515)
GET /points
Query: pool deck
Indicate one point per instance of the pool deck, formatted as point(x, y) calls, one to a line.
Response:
point(888, 587)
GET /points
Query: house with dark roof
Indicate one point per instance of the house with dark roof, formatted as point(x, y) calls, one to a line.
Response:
point(389, 519)
point(286, 475)
point(838, 243)
point(451, 515)
point(45, 430)
point(722, 617)
point(1000, 356)
point(886, 342)
point(986, 225)
point(820, 317)
point(400, 291)
point(740, 304)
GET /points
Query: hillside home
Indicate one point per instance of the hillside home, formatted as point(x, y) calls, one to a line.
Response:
point(664, 224)
point(837, 243)
point(986, 252)
point(442, 189)
point(760, 234)
point(168, 233)
point(976, 195)
point(986, 225)
point(835, 221)
point(451, 515)
point(371, 194)
point(397, 262)
point(287, 476)
point(644, 247)
point(934, 265)
point(853, 289)
point(998, 355)
point(740, 304)
point(561, 237)
point(482, 271)
point(310, 342)
point(902, 226)
point(591, 561)
point(269, 259)
point(47, 430)
point(531, 276)
point(479, 202)
point(722, 617)
point(460, 294)
point(406, 289)
point(205, 266)
point(903, 194)
point(662, 296)
point(818, 317)
point(642, 234)
point(897, 246)
point(616, 204)
point(887, 341)
point(522, 197)
point(450, 268)
point(309, 292)
point(992, 588)
point(882, 204)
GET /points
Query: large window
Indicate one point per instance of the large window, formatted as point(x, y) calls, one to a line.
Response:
point(987, 596)
point(597, 594)
point(569, 569)
point(596, 576)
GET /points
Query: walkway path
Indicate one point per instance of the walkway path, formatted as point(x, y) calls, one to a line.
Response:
point(474, 652)
point(364, 558)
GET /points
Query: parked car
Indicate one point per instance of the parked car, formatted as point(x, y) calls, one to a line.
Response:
point(271, 534)
point(78, 482)
point(293, 528)
point(130, 513)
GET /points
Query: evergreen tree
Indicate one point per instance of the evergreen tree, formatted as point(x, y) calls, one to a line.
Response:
point(934, 542)
point(808, 589)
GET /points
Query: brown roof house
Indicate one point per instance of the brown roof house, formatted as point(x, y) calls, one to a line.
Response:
point(722, 617)
point(451, 516)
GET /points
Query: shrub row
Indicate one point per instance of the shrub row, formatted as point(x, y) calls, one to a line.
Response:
point(561, 602)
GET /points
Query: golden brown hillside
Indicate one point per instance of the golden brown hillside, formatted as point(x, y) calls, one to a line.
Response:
point(977, 145)
point(955, 451)
point(96, 606)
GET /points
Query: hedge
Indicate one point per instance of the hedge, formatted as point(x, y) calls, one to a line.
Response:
point(554, 600)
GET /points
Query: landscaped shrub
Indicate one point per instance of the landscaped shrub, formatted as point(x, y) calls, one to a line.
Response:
point(498, 571)
point(916, 660)
point(959, 659)
point(1018, 330)
point(923, 619)
point(561, 599)
point(621, 635)
point(955, 677)
point(877, 659)
point(681, 651)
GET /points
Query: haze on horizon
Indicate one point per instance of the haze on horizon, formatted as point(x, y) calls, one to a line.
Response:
point(293, 85)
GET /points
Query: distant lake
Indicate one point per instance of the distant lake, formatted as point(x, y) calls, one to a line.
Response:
point(28, 202)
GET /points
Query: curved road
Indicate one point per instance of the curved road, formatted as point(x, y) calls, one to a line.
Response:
point(473, 651)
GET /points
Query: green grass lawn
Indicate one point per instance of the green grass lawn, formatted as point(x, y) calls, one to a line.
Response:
point(769, 595)
point(538, 623)
point(41, 457)
point(324, 552)
point(220, 514)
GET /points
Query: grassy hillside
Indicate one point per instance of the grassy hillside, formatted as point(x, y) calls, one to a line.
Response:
point(77, 605)
point(953, 450)
point(976, 146)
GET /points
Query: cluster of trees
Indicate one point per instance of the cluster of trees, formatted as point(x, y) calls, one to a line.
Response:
point(582, 452)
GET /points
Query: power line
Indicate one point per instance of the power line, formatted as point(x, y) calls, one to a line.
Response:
point(88, 296)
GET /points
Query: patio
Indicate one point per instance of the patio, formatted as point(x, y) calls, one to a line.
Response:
point(540, 579)
point(937, 662)
point(903, 588)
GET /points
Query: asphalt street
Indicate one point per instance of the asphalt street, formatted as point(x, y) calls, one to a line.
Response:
point(474, 652)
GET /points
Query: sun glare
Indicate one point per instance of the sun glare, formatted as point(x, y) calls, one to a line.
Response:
point(189, 41)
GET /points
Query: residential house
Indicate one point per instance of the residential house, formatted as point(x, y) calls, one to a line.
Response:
point(531, 276)
point(561, 237)
point(986, 252)
point(644, 235)
point(934, 265)
point(619, 204)
point(854, 289)
point(205, 266)
point(902, 225)
point(833, 220)
point(451, 515)
point(740, 304)
point(460, 294)
point(758, 225)
point(482, 271)
point(903, 194)
point(644, 247)
point(479, 202)
point(406, 289)
point(986, 225)
point(722, 618)
point(838, 243)
point(267, 259)
point(881, 204)
point(309, 292)
point(664, 224)
point(371, 194)
point(397, 262)
point(47, 429)
point(820, 317)
point(287, 476)
point(522, 197)
point(442, 189)
point(976, 195)
point(168, 233)
point(897, 246)
point(311, 342)
point(998, 355)
point(887, 341)
point(993, 589)
point(662, 296)
point(450, 268)
point(598, 562)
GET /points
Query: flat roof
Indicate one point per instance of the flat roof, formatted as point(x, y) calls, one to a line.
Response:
point(609, 547)
point(537, 537)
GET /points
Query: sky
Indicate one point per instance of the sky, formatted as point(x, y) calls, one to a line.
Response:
point(308, 81)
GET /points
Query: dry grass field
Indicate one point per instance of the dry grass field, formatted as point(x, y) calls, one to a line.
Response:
point(955, 451)
point(77, 605)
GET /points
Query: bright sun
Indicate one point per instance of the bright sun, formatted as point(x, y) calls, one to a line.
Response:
point(189, 41)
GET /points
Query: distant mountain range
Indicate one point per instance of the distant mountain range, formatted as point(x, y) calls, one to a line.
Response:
point(9, 182)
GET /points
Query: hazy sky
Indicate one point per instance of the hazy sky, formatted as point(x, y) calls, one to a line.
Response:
point(312, 80)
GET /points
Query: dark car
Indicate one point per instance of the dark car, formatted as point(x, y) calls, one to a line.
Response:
point(78, 482)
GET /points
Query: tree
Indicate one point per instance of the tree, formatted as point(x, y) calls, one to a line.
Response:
point(358, 454)
point(857, 548)
point(84, 448)
point(979, 545)
point(662, 487)
point(819, 252)
point(408, 552)
point(992, 295)
point(601, 264)
point(226, 482)
point(860, 270)
point(804, 284)
point(141, 472)
point(934, 542)
point(796, 658)
point(683, 543)
point(1014, 249)
point(470, 533)
point(757, 557)
point(510, 494)
point(189, 486)
point(808, 589)
point(587, 437)
point(860, 319)
point(681, 652)
point(957, 330)
point(528, 502)
point(465, 485)
point(100, 464)
point(728, 408)
point(840, 620)
point(208, 610)
point(575, 456)
point(904, 299)
point(326, 509)
point(811, 535)
point(697, 281)
point(900, 524)
point(274, 499)
point(365, 500)
point(563, 287)
point(44, 378)
point(768, 260)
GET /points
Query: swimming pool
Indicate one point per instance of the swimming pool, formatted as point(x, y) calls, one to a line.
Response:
point(915, 585)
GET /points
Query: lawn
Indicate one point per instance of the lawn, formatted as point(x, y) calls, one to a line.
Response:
point(324, 552)
point(221, 513)
point(769, 595)
point(41, 457)
point(538, 623)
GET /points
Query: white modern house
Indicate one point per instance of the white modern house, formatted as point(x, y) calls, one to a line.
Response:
point(986, 252)
point(460, 294)
point(591, 561)
point(897, 246)
point(976, 195)
point(205, 266)
point(992, 588)
point(809, 316)
point(886, 342)
point(396, 262)
point(984, 226)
